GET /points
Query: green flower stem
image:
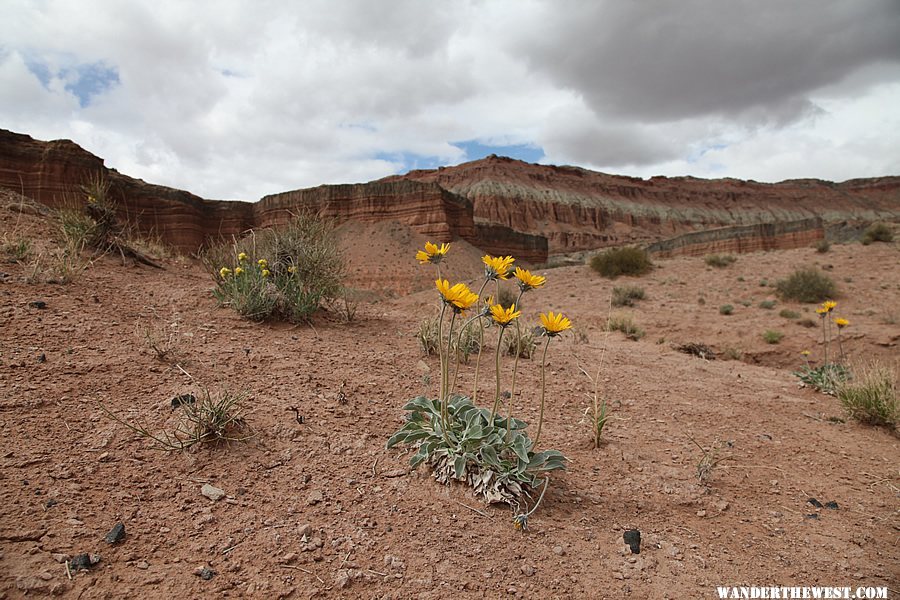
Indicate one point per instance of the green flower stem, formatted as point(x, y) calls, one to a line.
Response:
point(497, 365)
point(441, 349)
point(840, 345)
point(462, 330)
point(825, 337)
point(512, 389)
point(537, 436)
point(445, 377)
point(478, 362)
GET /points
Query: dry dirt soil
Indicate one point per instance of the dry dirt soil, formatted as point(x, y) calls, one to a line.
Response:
point(320, 509)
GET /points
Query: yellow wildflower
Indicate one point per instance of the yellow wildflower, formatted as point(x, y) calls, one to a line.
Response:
point(829, 305)
point(497, 267)
point(822, 312)
point(504, 316)
point(805, 352)
point(242, 257)
point(460, 297)
point(527, 281)
point(238, 271)
point(841, 322)
point(224, 272)
point(433, 253)
point(263, 263)
point(292, 269)
point(554, 324)
point(266, 273)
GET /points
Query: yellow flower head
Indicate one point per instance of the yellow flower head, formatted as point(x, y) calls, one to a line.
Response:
point(527, 281)
point(266, 272)
point(224, 272)
point(829, 305)
point(497, 267)
point(263, 263)
point(841, 322)
point(91, 199)
point(805, 352)
point(554, 324)
point(238, 271)
point(433, 253)
point(822, 312)
point(460, 297)
point(292, 269)
point(504, 316)
point(242, 257)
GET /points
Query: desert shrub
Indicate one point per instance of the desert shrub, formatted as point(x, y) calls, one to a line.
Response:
point(807, 284)
point(726, 309)
point(731, 353)
point(807, 322)
point(767, 304)
point(465, 344)
point(871, 395)
point(626, 295)
point(625, 324)
point(772, 337)
point(427, 336)
point(822, 246)
point(285, 273)
point(719, 260)
point(507, 296)
point(521, 341)
point(877, 232)
point(746, 303)
point(622, 261)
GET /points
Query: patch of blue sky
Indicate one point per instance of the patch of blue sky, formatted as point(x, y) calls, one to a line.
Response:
point(84, 81)
point(89, 80)
point(698, 153)
point(410, 161)
point(475, 150)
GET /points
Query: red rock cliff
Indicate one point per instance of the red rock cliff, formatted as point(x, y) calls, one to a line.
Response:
point(579, 209)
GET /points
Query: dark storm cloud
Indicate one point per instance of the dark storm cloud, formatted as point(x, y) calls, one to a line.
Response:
point(751, 60)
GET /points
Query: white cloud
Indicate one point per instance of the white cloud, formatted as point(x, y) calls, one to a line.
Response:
point(237, 99)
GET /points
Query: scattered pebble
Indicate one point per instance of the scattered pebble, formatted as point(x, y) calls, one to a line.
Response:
point(832, 505)
point(527, 570)
point(116, 534)
point(815, 502)
point(315, 497)
point(204, 573)
point(304, 530)
point(560, 551)
point(632, 537)
point(38, 304)
point(212, 492)
point(83, 561)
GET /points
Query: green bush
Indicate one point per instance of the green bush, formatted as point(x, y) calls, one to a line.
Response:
point(726, 309)
point(822, 246)
point(772, 337)
point(719, 260)
point(877, 232)
point(622, 261)
point(807, 284)
point(282, 273)
point(789, 314)
point(767, 304)
point(871, 396)
point(824, 378)
point(625, 296)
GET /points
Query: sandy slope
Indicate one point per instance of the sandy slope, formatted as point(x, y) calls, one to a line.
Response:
point(321, 509)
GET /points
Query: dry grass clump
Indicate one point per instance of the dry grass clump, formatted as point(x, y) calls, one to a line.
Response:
point(871, 395)
point(719, 261)
point(877, 232)
point(625, 324)
point(626, 295)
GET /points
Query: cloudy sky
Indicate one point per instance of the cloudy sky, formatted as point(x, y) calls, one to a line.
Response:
point(238, 99)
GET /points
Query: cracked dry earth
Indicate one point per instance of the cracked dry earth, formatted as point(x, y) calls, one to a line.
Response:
point(322, 510)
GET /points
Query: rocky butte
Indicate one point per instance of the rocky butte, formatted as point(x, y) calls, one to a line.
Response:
point(497, 204)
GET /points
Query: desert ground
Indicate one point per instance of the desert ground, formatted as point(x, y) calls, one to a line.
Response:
point(321, 509)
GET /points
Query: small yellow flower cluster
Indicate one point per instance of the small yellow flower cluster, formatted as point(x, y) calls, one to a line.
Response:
point(459, 297)
point(497, 267)
point(826, 308)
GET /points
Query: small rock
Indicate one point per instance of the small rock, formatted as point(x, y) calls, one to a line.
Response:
point(701, 513)
point(42, 358)
point(315, 497)
point(182, 400)
point(812, 516)
point(212, 492)
point(60, 558)
point(527, 570)
point(560, 551)
point(304, 530)
point(394, 473)
point(116, 534)
point(204, 573)
point(632, 537)
point(421, 366)
point(721, 505)
point(38, 304)
point(142, 565)
point(83, 561)
point(342, 579)
point(815, 502)
point(832, 505)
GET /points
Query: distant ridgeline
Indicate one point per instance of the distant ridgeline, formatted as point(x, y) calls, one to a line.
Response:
point(497, 204)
